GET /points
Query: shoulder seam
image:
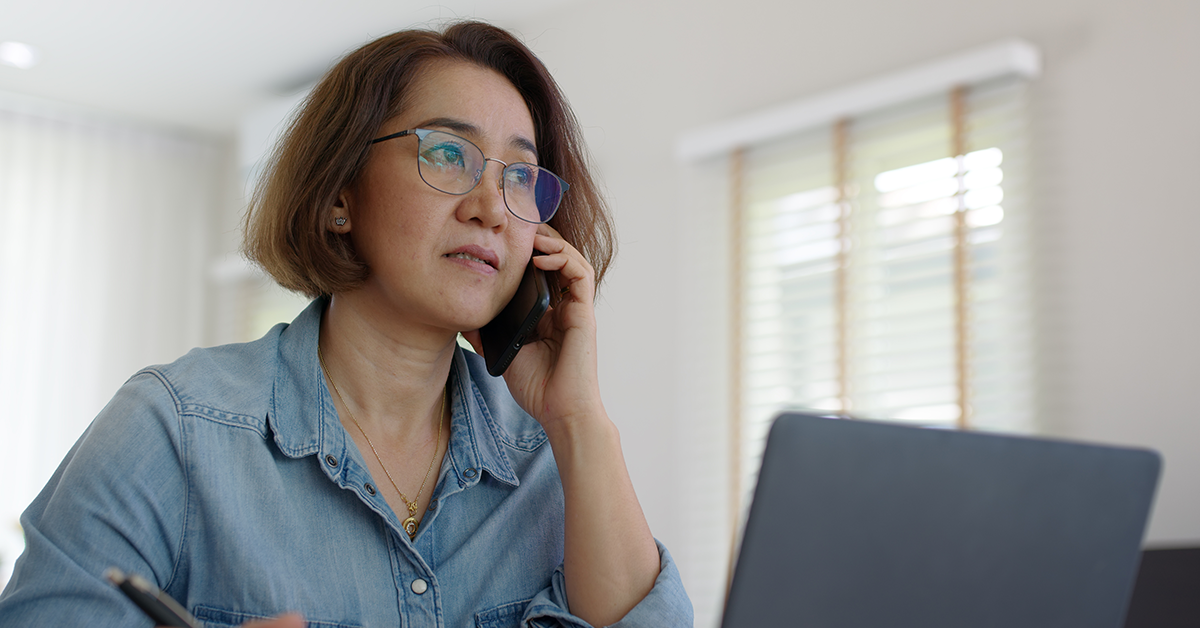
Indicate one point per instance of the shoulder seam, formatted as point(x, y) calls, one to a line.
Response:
point(187, 480)
point(207, 412)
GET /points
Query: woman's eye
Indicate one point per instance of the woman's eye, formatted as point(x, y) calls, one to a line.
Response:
point(522, 176)
point(445, 156)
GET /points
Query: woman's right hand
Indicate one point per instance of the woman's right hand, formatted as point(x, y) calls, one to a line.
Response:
point(290, 620)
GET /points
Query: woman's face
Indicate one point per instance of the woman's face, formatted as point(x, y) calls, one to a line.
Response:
point(438, 260)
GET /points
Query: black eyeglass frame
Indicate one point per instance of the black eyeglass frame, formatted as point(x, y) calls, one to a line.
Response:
point(420, 134)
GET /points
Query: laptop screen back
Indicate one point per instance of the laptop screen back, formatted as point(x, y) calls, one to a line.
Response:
point(858, 524)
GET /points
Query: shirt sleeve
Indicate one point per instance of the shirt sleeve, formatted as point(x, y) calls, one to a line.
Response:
point(117, 500)
point(666, 605)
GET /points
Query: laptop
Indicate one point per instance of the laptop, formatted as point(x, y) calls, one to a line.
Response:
point(859, 524)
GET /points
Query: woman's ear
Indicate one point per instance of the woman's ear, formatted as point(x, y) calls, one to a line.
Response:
point(339, 218)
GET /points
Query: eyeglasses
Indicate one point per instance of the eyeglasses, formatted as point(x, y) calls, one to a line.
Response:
point(454, 165)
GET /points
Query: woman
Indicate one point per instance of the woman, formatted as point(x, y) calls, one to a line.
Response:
point(296, 473)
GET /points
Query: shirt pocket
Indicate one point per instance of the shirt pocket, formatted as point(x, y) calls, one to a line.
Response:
point(218, 618)
point(503, 616)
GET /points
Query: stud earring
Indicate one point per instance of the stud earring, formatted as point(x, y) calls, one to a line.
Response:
point(339, 221)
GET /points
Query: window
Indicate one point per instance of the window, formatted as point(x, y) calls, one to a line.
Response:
point(851, 290)
point(103, 271)
point(861, 296)
point(832, 239)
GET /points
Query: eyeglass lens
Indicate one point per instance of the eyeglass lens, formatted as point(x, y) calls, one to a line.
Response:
point(454, 165)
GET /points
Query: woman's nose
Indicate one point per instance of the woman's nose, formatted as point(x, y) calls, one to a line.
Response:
point(486, 203)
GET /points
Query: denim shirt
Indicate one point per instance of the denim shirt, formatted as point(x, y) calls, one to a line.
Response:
point(227, 479)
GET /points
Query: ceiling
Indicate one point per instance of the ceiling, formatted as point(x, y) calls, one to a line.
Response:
point(202, 65)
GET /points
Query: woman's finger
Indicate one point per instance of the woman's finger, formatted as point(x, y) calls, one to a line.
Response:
point(575, 278)
point(550, 245)
point(545, 229)
point(557, 248)
point(291, 620)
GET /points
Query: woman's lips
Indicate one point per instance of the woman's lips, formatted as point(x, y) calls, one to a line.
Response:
point(475, 254)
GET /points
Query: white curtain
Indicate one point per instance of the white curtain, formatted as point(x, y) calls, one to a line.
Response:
point(104, 243)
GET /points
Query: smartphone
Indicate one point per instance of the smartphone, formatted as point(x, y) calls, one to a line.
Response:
point(159, 606)
point(503, 336)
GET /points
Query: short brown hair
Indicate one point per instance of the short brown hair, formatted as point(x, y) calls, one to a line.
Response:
point(326, 147)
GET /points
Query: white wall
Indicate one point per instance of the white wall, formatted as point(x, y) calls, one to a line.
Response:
point(1117, 138)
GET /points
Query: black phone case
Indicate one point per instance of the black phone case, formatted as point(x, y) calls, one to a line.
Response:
point(503, 336)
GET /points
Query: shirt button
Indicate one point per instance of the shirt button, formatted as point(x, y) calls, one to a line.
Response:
point(419, 586)
point(432, 505)
point(330, 460)
point(470, 473)
point(370, 489)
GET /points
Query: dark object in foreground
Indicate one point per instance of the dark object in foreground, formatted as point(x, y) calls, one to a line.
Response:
point(1167, 591)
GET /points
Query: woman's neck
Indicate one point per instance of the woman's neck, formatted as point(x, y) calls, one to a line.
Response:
point(390, 374)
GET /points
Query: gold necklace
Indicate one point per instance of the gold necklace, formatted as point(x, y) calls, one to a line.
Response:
point(410, 524)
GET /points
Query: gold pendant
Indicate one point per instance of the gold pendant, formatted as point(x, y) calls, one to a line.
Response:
point(410, 526)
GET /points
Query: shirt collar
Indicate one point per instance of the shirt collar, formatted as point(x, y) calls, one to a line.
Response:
point(299, 416)
point(476, 434)
point(304, 421)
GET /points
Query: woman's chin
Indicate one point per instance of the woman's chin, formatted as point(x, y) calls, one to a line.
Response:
point(471, 322)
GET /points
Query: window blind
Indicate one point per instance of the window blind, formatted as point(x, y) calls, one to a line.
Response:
point(849, 294)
